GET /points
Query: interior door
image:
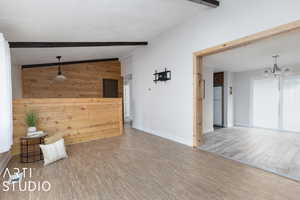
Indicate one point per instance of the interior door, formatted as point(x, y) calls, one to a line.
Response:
point(218, 107)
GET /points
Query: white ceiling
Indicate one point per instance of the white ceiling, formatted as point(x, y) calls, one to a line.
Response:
point(87, 20)
point(258, 55)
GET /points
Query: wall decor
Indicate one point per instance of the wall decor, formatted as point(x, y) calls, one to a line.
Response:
point(162, 76)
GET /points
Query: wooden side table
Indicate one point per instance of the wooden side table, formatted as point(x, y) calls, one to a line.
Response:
point(30, 148)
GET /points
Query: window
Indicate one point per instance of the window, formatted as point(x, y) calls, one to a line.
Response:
point(110, 88)
point(276, 103)
point(291, 103)
point(266, 103)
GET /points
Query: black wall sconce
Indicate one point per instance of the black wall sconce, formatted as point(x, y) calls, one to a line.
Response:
point(162, 76)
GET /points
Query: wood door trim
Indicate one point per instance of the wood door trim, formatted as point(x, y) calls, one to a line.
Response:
point(197, 101)
point(250, 39)
point(197, 70)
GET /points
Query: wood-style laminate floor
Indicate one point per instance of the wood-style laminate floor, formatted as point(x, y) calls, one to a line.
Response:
point(4, 159)
point(140, 166)
point(274, 151)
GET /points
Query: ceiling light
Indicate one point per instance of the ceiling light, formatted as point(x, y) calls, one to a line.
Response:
point(277, 71)
point(59, 76)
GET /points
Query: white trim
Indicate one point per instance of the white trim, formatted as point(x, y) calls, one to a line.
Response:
point(241, 125)
point(277, 130)
point(5, 148)
point(270, 129)
point(166, 136)
point(209, 131)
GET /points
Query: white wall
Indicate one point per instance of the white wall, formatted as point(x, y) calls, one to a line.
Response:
point(208, 101)
point(166, 109)
point(6, 127)
point(16, 76)
point(242, 96)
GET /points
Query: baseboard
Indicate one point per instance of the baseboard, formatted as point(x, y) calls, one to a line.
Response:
point(208, 131)
point(242, 125)
point(4, 160)
point(5, 149)
point(166, 136)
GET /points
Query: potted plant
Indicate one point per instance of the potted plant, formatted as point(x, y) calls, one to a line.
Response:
point(31, 119)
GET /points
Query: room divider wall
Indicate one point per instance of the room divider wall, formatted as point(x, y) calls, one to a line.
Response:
point(77, 119)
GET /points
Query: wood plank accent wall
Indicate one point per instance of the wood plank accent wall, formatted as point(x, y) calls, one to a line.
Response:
point(78, 119)
point(84, 80)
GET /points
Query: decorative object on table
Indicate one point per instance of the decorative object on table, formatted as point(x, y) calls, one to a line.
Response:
point(59, 76)
point(35, 134)
point(30, 149)
point(54, 152)
point(162, 76)
point(277, 71)
point(30, 120)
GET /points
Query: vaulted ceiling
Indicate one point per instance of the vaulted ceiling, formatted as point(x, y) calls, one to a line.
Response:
point(88, 20)
point(258, 55)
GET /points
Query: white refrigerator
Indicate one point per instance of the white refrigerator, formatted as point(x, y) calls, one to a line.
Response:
point(218, 100)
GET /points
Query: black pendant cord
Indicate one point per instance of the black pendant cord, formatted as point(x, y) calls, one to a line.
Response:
point(59, 67)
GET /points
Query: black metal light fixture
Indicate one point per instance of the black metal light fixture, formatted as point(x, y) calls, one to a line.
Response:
point(162, 76)
point(211, 3)
point(59, 76)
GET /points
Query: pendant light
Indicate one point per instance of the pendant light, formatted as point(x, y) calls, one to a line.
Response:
point(59, 76)
point(276, 71)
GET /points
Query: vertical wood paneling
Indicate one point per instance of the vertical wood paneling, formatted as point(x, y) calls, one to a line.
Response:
point(79, 120)
point(198, 101)
point(84, 80)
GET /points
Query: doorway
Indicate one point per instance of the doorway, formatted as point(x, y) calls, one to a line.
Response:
point(198, 91)
point(127, 100)
point(218, 105)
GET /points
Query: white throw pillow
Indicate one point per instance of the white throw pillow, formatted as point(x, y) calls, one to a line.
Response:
point(53, 152)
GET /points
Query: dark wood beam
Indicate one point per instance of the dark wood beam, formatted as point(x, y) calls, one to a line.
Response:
point(211, 3)
point(68, 63)
point(72, 44)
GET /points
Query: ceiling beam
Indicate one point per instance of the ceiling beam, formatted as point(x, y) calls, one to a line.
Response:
point(68, 63)
point(72, 44)
point(211, 3)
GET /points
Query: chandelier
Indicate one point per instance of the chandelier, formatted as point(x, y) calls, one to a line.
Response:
point(276, 71)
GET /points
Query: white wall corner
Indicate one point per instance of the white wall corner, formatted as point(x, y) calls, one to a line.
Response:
point(168, 136)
